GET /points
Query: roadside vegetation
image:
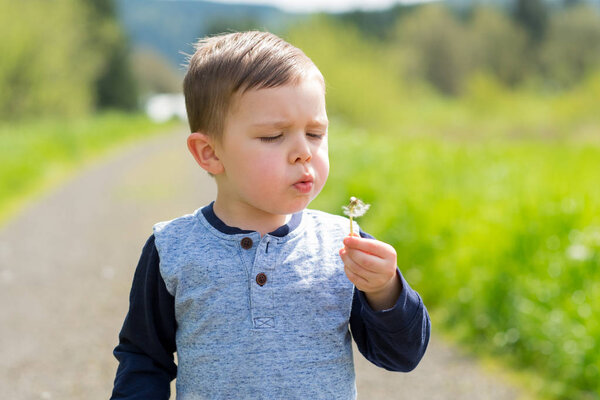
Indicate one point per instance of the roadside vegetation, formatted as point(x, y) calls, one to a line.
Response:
point(490, 197)
point(474, 133)
point(37, 155)
point(66, 95)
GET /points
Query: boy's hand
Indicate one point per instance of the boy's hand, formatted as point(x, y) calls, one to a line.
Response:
point(371, 266)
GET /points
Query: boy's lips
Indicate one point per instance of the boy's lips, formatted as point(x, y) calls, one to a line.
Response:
point(304, 184)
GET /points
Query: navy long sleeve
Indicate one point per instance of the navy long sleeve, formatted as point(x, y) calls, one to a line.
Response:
point(147, 339)
point(393, 339)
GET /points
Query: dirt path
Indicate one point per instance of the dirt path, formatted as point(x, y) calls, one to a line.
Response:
point(66, 266)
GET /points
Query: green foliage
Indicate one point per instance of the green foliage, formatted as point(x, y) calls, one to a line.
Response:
point(501, 238)
point(533, 16)
point(491, 200)
point(64, 57)
point(114, 85)
point(33, 155)
point(499, 47)
point(490, 197)
point(375, 24)
point(47, 65)
point(572, 48)
point(436, 47)
point(350, 90)
point(154, 74)
point(531, 46)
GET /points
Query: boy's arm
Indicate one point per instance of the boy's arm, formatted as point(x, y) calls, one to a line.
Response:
point(147, 339)
point(395, 338)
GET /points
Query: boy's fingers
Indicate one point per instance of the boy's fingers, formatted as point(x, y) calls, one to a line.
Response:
point(361, 278)
point(365, 261)
point(355, 267)
point(358, 280)
point(374, 247)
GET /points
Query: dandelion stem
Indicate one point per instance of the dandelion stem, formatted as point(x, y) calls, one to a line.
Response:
point(356, 208)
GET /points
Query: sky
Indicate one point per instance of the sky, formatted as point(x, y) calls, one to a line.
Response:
point(324, 5)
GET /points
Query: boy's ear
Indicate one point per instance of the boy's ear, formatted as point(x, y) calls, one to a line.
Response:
point(202, 148)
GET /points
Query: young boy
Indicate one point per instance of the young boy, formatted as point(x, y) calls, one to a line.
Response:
point(253, 291)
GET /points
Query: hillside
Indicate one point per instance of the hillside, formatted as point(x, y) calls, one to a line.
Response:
point(170, 27)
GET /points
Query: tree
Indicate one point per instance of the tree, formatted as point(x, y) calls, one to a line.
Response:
point(572, 3)
point(154, 74)
point(115, 85)
point(362, 84)
point(533, 17)
point(572, 47)
point(62, 58)
point(48, 65)
point(436, 47)
point(499, 45)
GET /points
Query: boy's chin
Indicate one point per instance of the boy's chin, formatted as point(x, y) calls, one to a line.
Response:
point(301, 205)
point(293, 208)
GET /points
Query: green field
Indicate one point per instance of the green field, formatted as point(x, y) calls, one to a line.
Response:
point(491, 199)
point(501, 238)
point(34, 156)
point(500, 235)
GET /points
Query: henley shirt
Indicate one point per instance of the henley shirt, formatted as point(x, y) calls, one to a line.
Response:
point(254, 317)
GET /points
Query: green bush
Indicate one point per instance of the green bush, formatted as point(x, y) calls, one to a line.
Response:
point(491, 200)
point(48, 66)
point(62, 58)
point(501, 238)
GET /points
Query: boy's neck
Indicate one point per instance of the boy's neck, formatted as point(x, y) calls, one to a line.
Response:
point(246, 219)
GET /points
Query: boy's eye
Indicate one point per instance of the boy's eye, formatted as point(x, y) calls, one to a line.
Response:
point(270, 138)
point(315, 135)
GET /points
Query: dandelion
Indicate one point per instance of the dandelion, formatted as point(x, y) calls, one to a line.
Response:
point(356, 208)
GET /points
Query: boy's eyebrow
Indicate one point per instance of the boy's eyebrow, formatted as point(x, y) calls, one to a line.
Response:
point(285, 124)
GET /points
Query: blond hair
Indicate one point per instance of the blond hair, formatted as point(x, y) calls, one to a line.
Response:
point(232, 63)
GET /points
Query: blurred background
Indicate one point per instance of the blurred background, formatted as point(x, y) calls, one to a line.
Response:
point(472, 127)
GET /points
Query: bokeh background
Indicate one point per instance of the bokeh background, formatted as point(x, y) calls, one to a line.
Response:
point(472, 127)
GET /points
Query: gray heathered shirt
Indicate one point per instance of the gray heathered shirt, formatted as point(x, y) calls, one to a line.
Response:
point(259, 318)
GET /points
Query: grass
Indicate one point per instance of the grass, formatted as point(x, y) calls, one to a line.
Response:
point(501, 236)
point(491, 200)
point(35, 156)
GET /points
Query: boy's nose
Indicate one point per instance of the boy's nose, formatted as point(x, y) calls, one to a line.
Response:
point(300, 152)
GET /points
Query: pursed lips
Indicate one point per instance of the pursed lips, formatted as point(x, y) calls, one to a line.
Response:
point(304, 184)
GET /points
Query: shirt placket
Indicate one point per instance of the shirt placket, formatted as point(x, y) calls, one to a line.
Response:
point(261, 284)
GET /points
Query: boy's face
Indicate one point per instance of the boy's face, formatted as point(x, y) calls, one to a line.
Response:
point(274, 150)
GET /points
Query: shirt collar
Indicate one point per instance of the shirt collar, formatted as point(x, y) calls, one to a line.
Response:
point(219, 225)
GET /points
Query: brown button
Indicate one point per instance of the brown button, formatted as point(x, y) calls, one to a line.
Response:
point(246, 243)
point(261, 279)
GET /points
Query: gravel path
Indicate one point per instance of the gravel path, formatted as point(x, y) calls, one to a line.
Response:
point(66, 266)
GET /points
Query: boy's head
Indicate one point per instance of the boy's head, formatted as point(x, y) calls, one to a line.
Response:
point(229, 64)
point(256, 107)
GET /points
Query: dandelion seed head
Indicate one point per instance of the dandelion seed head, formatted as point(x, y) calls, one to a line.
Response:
point(356, 208)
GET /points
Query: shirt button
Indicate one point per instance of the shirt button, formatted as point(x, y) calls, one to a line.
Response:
point(261, 279)
point(246, 243)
